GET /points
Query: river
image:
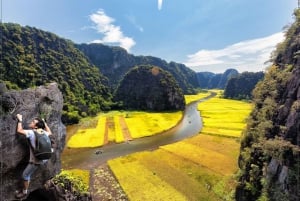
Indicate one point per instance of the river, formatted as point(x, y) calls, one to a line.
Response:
point(89, 158)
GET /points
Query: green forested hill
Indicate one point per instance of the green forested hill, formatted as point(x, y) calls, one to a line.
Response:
point(270, 149)
point(147, 87)
point(241, 86)
point(32, 57)
point(115, 62)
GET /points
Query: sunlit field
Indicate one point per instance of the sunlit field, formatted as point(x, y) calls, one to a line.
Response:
point(143, 124)
point(121, 126)
point(89, 137)
point(224, 117)
point(198, 168)
point(191, 98)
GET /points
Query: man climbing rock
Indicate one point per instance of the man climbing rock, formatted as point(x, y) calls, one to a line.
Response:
point(38, 127)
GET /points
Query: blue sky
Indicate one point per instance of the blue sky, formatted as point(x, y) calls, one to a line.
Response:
point(206, 35)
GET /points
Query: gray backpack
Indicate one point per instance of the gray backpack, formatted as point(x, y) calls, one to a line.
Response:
point(43, 149)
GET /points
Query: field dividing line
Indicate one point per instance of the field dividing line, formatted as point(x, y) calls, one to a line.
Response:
point(125, 130)
point(105, 140)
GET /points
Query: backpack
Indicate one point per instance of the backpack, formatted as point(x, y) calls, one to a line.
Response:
point(43, 149)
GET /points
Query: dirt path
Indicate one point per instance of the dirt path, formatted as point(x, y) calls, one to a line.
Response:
point(125, 130)
point(109, 123)
point(104, 186)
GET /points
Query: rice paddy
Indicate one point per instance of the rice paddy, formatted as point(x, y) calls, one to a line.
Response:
point(122, 126)
point(198, 168)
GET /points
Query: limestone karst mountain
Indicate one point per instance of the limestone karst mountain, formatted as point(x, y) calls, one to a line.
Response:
point(270, 149)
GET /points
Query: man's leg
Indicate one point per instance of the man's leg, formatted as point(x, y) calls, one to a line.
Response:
point(29, 170)
point(26, 185)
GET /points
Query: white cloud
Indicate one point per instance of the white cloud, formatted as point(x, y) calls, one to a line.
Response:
point(159, 4)
point(132, 19)
point(249, 55)
point(112, 33)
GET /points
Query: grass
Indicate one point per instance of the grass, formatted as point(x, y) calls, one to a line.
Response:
point(197, 168)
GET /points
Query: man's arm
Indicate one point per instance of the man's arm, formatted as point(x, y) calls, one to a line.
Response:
point(47, 128)
point(20, 129)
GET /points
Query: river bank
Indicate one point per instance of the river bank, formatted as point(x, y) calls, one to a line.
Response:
point(88, 158)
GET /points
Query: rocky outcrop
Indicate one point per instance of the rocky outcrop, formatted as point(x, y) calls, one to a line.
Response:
point(270, 148)
point(150, 88)
point(44, 101)
point(55, 192)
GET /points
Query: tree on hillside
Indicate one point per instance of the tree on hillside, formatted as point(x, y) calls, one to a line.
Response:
point(269, 158)
point(115, 62)
point(32, 57)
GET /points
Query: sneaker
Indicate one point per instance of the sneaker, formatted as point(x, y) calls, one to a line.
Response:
point(21, 195)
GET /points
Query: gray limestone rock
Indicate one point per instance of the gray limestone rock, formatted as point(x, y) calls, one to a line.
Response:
point(43, 101)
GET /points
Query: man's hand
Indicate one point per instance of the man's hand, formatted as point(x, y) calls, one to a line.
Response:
point(20, 129)
point(19, 117)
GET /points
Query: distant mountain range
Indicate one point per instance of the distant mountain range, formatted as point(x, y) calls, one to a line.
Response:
point(208, 80)
point(115, 62)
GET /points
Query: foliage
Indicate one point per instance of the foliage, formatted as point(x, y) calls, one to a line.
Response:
point(279, 149)
point(75, 180)
point(115, 62)
point(283, 54)
point(32, 57)
point(260, 126)
point(272, 127)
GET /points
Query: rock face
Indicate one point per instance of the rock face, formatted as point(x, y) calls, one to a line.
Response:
point(43, 101)
point(270, 148)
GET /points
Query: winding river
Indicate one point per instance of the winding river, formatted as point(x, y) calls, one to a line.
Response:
point(89, 158)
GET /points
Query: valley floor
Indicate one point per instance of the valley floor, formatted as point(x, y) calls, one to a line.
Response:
point(197, 168)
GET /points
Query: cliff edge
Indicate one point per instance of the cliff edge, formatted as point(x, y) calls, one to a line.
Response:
point(270, 148)
point(44, 101)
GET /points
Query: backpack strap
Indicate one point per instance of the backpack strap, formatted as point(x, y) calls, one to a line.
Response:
point(35, 140)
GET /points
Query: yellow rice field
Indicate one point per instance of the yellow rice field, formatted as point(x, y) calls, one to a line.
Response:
point(143, 124)
point(224, 117)
point(191, 98)
point(198, 168)
point(109, 129)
